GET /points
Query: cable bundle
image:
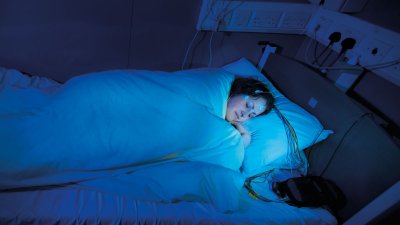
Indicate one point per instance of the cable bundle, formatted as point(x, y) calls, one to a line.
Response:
point(294, 155)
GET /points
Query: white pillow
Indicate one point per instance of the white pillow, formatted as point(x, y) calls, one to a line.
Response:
point(269, 145)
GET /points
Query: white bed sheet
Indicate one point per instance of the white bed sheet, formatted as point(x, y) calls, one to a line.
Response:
point(76, 206)
point(79, 205)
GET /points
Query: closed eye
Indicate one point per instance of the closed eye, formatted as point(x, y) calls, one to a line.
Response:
point(249, 105)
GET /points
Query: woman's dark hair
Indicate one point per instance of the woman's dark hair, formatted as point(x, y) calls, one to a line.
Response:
point(254, 88)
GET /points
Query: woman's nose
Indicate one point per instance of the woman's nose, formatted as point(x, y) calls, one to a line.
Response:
point(245, 114)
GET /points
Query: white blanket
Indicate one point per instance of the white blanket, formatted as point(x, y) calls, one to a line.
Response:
point(107, 123)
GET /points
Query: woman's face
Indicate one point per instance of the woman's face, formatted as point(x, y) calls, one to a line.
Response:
point(243, 107)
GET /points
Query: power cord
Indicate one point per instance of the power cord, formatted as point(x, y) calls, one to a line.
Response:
point(188, 49)
point(219, 16)
point(210, 7)
point(210, 50)
point(316, 45)
point(333, 38)
point(341, 141)
point(313, 144)
point(371, 67)
point(347, 44)
point(219, 19)
point(368, 67)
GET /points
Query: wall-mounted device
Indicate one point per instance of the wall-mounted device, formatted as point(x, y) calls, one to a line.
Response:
point(375, 48)
point(253, 16)
point(345, 6)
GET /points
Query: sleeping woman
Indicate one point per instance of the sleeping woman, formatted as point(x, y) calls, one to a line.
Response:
point(248, 98)
point(114, 121)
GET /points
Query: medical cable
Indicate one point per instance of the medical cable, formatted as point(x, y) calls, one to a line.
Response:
point(293, 155)
point(368, 67)
point(256, 195)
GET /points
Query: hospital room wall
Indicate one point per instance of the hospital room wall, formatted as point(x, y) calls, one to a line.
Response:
point(170, 27)
point(377, 92)
point(61, 39)
point(371, 92)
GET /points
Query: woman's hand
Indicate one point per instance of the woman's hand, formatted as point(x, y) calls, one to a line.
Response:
point(244, 132)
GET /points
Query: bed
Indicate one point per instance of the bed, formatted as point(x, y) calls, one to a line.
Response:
point(195, 176)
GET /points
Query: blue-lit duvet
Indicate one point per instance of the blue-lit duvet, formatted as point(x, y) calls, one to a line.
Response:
point(110, 122)
point(127, 147)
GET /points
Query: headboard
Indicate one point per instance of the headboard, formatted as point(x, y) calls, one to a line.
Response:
point(363, 158)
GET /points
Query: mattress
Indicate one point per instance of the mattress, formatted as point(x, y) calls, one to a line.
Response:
point(77, 206)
